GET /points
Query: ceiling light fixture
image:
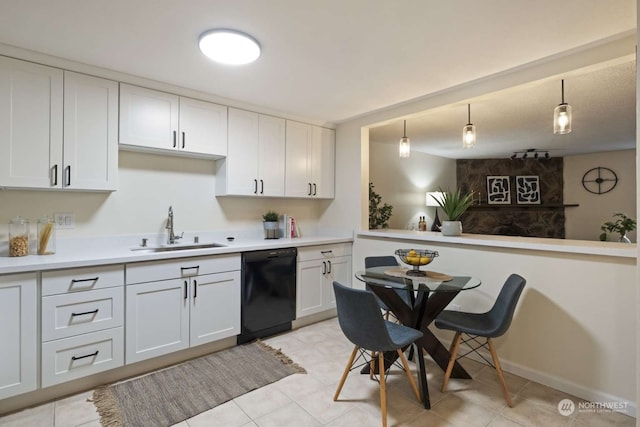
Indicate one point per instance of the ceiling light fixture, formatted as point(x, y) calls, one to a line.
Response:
point(528, 153)
point(562, 116)
point(405, 144)
point(229, 47)
point(469, 132)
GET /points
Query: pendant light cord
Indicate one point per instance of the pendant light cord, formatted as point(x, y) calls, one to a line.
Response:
point(562, 91)
point(404, 135)
point(469, 114)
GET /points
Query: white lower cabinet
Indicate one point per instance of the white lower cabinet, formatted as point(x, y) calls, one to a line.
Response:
point(82, 322)
point(18, 334)
point(164, 316)
point(318, 268)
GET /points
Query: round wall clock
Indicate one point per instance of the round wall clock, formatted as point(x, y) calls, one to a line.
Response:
point(599, 180)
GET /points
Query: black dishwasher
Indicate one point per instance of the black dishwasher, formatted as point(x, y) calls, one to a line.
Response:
point(268, 292)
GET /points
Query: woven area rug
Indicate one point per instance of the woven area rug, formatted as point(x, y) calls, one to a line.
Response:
point(180, 392)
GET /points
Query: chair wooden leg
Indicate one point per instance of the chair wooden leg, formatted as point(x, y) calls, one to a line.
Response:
point(383, 390)
point(346, 372)
point(455, 346)
point(408, 372)
point(496, 363)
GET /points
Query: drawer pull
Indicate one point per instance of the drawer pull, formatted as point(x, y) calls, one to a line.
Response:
point(93, 279)
point(189, 268)
point(85, 356)
point(84, 313)
point(326, 252)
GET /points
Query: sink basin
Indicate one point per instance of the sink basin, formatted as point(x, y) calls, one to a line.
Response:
point(178, 247)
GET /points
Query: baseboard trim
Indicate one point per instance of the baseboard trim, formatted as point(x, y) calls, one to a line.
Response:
point(555, 382)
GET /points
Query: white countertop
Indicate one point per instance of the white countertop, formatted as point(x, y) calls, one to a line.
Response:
point(614, 249)
point(83, 252)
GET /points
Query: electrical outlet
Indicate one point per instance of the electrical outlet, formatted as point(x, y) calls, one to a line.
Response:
point(65, 220)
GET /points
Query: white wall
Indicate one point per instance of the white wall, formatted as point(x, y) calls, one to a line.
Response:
point(403, 182)
point(584, 222)
point(147, 185)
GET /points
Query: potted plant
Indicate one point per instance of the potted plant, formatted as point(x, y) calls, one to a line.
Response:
point(378, 215)
point(270, 224)
point(453, 204)
point(622, 226)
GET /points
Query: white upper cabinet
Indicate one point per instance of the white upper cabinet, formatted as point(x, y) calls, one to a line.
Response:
point(310, 161)
point(90, 151)
point(255, 156)
point(167, 123)
point(31, 103)
point(35, 102)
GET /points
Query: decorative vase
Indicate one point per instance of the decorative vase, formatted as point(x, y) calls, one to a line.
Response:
point(451, 228)
point(270, 229)
point(624, 238)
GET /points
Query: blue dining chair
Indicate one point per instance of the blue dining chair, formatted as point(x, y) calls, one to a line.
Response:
point(387, 261)
point(362, 323)
point(492, 324)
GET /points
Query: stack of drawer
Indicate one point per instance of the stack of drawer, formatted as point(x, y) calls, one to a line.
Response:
point(82, 322)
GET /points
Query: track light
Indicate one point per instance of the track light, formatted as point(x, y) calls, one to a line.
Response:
point(530, 152)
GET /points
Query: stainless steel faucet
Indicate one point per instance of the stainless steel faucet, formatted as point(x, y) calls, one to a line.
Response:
point(171, 238)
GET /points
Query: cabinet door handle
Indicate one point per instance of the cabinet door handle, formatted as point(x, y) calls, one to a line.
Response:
point(95, 353)
point(309, 193)
point(324, 267)
point(54, 175)
point(255, 186)
point(314, 188)
point(84, 313)
point(195, 289)
point(185, 289)
point(329, 262)
point(68, 170)
point(92, 279)
point(261, 187)
point(183, 139)
point(175, 136)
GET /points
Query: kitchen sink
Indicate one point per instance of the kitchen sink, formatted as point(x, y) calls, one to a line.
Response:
point(178, 247)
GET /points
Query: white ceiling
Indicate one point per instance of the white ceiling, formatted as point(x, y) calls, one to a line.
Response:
point(327, 60)
point(603, 105)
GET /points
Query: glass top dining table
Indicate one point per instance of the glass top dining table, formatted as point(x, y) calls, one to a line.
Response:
point(430, 295)
point(397, 277)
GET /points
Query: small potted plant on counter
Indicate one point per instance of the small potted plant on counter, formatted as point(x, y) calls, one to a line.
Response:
point(454, 204)
point(270, 224)
point(622, 226)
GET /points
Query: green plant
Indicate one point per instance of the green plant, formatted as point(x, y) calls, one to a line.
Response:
point(622, 225)
point(270, 215)
point(378, 215)
point(454, 204)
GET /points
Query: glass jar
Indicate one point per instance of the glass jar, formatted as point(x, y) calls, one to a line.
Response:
point(46, 236)
point(19, 237)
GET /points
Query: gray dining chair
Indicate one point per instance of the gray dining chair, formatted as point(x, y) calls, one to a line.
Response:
point(492, 324)
point(362, 323)
point(387, 261)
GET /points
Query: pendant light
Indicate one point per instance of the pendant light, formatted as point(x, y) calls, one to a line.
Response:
point(562, 117)
point(405, 144)
point(469, 132)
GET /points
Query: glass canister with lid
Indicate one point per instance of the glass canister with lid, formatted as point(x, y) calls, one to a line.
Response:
point(46, 236)
point(19, 237)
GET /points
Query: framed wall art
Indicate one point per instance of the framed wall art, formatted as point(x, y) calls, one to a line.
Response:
point(498, 190)
point(528, 190)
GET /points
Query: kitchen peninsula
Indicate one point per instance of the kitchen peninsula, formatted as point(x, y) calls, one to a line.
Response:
point(572, 327)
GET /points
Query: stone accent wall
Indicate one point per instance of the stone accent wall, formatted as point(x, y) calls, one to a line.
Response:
point(544, 220)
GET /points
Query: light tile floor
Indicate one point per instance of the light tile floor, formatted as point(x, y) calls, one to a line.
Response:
point(307, 400)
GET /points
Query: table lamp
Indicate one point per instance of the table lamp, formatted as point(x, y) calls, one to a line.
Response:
point(439, 195)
